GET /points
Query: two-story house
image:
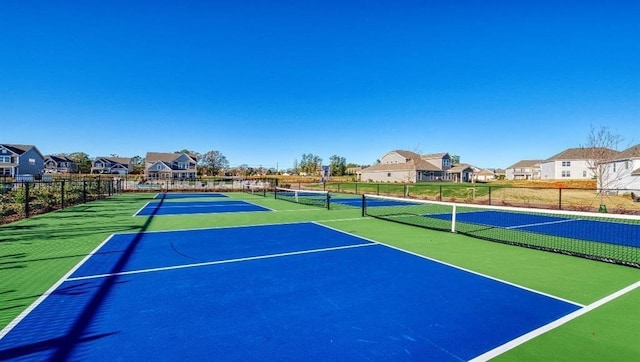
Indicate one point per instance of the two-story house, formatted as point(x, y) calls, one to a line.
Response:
point(574, 163)
point(623, 172)
point(408, 167)
point(523, 170)
point(16, 160)
point(112, 165)
point(170, 166)
point(59, 164)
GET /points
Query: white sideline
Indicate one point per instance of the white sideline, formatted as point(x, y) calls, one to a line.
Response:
point(555, 324)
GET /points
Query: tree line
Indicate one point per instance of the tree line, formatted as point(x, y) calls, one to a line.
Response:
point(214, 163)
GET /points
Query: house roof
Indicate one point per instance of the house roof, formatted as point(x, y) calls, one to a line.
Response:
point(486, 172)
point(17, 149)
point(630, 153)
point(165, 157)
point(459, 168)
point(120, 160)
point(583, 153)
point(434, 155)
point(59, 158)
point(526, 163)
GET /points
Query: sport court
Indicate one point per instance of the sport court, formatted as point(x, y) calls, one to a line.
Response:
point(282, 291)
point(276, 291)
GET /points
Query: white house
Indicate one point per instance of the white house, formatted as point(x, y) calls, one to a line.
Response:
point(573, 163)
point(623, 172)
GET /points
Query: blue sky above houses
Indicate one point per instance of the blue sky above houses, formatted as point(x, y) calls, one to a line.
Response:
point(264, 82)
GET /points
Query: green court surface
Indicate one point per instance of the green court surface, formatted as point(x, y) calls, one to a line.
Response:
point(37, 252)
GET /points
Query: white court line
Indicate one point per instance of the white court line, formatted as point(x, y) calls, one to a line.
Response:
point(183, 266)
point(44, 296)
point(541, 223)
point(142, 208)
point(555, 324)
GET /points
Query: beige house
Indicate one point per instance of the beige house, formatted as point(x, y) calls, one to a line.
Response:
point(524, 170)
point(408, 167)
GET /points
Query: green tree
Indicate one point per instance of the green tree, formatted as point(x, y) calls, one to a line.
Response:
point(83, 161)
point(138, 165)
point(310, 164)
point(214, 162)
point(338, 165)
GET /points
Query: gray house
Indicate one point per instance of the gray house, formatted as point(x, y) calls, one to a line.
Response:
point(112, 165)
point(170, 166)
point(59, 164)
point(17, 160)
point(408, 167)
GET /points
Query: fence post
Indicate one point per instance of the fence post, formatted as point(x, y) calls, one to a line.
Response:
point(62, 194)
point(489, 195)
point(560, 199)
point(26, 199)
point(84, 191)
point(440, 194)
point(378, 189)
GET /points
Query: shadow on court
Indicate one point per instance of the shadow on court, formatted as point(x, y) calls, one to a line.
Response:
point(78, 333)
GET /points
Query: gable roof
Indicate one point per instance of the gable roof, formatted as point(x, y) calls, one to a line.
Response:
point(461, 167)
point(20, 149)
point(526, 163)
point(165, 157)
point(630, 153)
point(58, 158)
point(120, 160)
point(582, 153)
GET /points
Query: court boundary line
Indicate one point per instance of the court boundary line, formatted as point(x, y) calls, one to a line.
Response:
point(554, 324)
point(539, 224)
point(217, 262)
point(50, 291)
point(206, 213)
point(461, 268)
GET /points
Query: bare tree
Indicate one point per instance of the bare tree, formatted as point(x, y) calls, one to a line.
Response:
point(602, 151)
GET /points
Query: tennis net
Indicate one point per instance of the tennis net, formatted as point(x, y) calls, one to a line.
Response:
point(607, 237)
point(306, 197)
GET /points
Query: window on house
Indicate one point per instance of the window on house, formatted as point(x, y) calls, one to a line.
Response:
point(614, 167)
point(584, 173)
point(446, 162)
point(5, 159)
point(32, 161)
point(389, 174)
point(566, 163)
point(5, 171)
point(566, 173)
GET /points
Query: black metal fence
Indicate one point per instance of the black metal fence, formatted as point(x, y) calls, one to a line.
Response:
point(578, 199)
point(20, 200)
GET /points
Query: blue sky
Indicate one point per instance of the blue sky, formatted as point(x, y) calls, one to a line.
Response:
point(264, 82)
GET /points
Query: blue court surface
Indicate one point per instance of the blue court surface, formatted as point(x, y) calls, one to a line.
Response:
point(273, 292)
point(187, 195)
point(561, 226)
point(198, 207)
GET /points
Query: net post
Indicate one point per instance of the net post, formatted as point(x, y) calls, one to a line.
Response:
point(364, 206)
point(453, 219)
point(328, 201)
